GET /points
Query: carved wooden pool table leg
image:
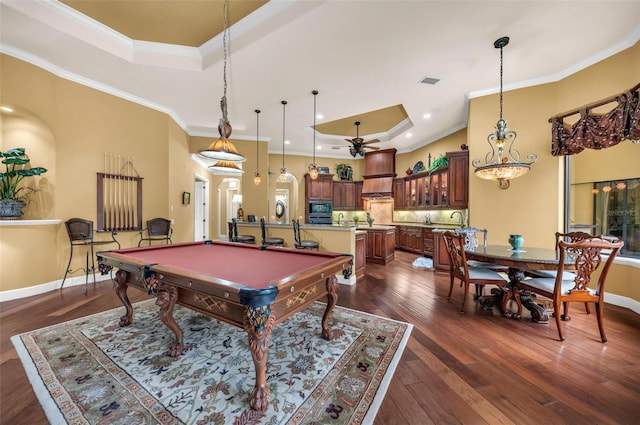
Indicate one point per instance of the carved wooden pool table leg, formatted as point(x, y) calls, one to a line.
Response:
point(332, 299)
point(258, 322)
point(122, 277)
point(167, 298)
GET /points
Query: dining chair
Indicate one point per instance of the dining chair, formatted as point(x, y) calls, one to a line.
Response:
point(235, 237)
point(80, 233)
point(301, 243)
point(471, 243)
point(585, 257)
point(460, 269)
point(267, 240)
point(158, 229)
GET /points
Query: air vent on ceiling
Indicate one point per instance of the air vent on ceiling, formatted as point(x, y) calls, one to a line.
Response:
point(429, 80)
point(336, 147)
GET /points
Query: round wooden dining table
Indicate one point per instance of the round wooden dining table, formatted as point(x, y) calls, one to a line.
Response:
point(518, 263)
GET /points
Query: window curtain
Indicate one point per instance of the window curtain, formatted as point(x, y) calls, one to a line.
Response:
point(598, 131)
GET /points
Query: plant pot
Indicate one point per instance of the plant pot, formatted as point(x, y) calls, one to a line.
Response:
point(10, 209)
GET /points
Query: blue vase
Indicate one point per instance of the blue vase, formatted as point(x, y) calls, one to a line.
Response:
point(516, 242)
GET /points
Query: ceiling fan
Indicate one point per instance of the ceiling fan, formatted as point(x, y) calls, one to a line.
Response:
point(358, 145)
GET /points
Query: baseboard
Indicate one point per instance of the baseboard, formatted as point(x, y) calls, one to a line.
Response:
point(30, 291)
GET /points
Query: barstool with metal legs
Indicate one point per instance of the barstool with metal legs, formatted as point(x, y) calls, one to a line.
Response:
point(269, 241)
point(80, 233)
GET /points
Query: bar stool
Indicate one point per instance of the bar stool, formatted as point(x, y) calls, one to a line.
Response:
point(158, 229)
point(80, 233)
point(301, 243)
point(235, 237)
point(269, 241)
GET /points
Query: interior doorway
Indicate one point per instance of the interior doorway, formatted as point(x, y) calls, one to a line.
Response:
point(227, 208)
point(200, 209)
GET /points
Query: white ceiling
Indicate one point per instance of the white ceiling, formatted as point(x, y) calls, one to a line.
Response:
point(360, 55)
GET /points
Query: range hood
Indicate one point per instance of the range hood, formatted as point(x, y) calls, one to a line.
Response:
point(379, 172)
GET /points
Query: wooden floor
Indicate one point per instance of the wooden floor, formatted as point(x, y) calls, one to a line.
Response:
point(471, 368)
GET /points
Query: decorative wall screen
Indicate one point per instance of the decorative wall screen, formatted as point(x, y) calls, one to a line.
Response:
point(119, 196)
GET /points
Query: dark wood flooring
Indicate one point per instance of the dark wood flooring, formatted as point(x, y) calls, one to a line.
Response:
point(471, 368)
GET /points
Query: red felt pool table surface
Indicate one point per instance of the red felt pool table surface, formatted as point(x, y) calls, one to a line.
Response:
point(240, 265)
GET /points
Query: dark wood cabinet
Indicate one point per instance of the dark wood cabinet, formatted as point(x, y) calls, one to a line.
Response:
point(446, 187)
point(458, 179)
point(398, 194)
point(410, 239)
point(440, 255)
point(380, 245)
point(320, 189)
point(427, 241)
point(344, 195)
point(358, 195)
point(361, 253)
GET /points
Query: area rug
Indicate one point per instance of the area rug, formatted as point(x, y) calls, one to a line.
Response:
point(423, 262)
point(92, 371)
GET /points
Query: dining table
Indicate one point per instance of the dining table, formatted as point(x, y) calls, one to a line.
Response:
point(518, 263)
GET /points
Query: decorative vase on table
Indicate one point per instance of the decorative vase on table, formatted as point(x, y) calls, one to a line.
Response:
point(370, 220)
point(516, 242)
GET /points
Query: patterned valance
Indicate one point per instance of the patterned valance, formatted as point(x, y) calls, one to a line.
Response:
point(598, 131)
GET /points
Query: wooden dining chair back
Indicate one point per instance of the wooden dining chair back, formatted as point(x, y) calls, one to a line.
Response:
point(267, 240)
point(81, 233)
point(472, 241)
point(302, 243)
point(158, 229)
point(467, 275)
point(235, 237)
point(583, 257)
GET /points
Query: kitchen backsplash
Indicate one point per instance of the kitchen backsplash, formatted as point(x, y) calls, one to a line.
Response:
point(383, 213)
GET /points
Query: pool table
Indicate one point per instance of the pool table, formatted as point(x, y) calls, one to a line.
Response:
point(249, 286)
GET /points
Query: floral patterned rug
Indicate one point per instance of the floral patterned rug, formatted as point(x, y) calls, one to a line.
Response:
point(92, 371)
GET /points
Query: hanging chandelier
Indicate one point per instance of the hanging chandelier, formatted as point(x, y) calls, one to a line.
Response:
point(257, 179)
point(222, 149)
point(503, 162)
point(283, 171)
point(313, 168)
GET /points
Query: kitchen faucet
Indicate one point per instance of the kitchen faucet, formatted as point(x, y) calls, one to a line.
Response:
point(340, 217)
point(461, 217)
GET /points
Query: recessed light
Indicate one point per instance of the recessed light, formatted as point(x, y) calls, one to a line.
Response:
point(319, 116)
point(287, 142)
point(409, 135)
point(6, 109)
point(426, 116)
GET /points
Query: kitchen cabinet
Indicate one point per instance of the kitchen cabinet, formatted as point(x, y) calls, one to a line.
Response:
point(440, 254)
point(427, 241)
point(380, 245)
point(358, 194)
point(410, 239)
point(344, 195)
point(320, 189)
point(398, 194)
point(458, 179)
point(360, 259)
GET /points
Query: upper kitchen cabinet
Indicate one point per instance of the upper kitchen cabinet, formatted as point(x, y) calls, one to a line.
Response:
point(458, 179)
point(320, 189)
point(446, 187)
point(344, 195)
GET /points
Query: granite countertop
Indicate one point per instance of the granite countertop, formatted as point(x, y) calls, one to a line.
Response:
point(428, 226)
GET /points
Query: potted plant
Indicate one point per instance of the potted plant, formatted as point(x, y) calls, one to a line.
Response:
point(344, 171)
point(13, 197)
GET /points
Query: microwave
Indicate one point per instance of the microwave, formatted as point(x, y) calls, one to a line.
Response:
point(321, 207)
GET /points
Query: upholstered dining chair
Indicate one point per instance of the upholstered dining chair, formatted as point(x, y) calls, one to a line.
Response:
point(235, 237)
point(267, 240)
point(467, 275)
point(81, 233)
point(158, 229)
point(301, 243)
point(585, 256)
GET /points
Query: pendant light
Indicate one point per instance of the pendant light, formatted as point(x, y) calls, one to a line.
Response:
point(257, 179)
point(222, 149)
point(313, 168)
point(283, 171)
point(502, 164)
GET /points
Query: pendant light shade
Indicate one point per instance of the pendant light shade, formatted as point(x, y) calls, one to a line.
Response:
point(313, 168)
point(503, 162)
point(257, 179)
point(222, 149)
point(283, 171)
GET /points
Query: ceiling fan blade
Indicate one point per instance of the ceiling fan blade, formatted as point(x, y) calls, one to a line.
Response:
point(375, 148)
point(371, 141)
